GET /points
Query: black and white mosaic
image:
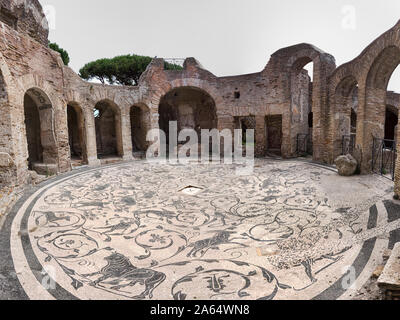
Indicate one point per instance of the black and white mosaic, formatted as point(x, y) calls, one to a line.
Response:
point(128, 231)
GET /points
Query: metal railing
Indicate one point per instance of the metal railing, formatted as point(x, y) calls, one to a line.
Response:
point(384, 155)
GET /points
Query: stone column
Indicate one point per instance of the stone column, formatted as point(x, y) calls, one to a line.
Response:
point(154, 145)
point(154, 120)
point(126, 135)
point(373, 125)
point(90, 137)
point(13, 164)
point(341, 109)
point(260, 136)
point(288, 148)
point(318, 109)
point(61, 136)
point(397, 166)
point(226, 122)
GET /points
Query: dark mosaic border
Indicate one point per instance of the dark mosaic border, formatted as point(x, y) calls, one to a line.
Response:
point(10, 287)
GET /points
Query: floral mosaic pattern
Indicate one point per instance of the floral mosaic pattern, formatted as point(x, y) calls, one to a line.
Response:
point(126, 231)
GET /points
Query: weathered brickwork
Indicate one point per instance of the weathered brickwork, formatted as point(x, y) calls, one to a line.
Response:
point(26, 17)
point(39, 94)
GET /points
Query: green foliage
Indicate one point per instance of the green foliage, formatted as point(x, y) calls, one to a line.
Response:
point(171, 66)
point(64, 53)
point(123, 70)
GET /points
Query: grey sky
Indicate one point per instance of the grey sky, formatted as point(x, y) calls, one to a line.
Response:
point(228, 37)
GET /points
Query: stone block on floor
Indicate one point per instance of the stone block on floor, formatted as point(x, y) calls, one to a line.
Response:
point(390, 277)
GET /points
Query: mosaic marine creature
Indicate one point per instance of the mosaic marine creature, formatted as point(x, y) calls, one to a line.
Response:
point(120, 269)
point(122, 228)
point(202, 246)
point(52, 218)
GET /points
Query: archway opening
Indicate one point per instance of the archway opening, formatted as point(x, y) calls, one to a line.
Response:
point(32, 124)
point(379, 153)
point(76, 134)
point(192, 108)
point(108, 130)
point(244, 124)
point(394, 85)
point(392, 107)
point(391, 120)
point(140, 125)
point(353, 121)
point(345, 117)
point(274, 131)
point(40, 135)
point(302, 116)
point(378, 119)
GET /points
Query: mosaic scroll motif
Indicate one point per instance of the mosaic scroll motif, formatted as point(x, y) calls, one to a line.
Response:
point(128, 230)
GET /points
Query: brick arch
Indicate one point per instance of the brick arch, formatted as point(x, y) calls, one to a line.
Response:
point(98, 93)
point(379, 61)
point(77, 123)
point(289, 62)
point(195, 118)
point(343, 97)
point(44, 152)
point(59, 124)
point(301, 58)
point(112, 104)
point(392, 107)
point(393, 99)
point(383, 66)
point(141, 105)
point(110, 128)
point(376, 54)
point(298, 56)
point(372, 69)
point(77, 98)
point(187, 82)
point(337, 81)
point(391, 121)
point(34, 81)
point(9, 174)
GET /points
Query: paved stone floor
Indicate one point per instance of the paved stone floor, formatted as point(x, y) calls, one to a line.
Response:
point(291, 230)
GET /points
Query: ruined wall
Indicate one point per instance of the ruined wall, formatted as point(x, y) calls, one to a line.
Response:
point(254, 95)
point(25, 17)
point(301, 106)
point(371, 72)
point(30, 65)
point(7, 164)
point(281, 100)
point(34, 66)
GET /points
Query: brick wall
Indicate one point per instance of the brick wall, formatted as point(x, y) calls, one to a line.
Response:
point(282, 89)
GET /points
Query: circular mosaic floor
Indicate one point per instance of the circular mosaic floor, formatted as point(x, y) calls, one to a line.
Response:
point(291, 230)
